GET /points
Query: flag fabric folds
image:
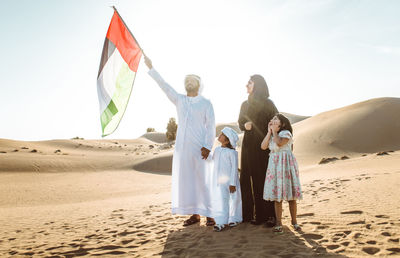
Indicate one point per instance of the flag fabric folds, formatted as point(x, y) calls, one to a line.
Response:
point(118, 67)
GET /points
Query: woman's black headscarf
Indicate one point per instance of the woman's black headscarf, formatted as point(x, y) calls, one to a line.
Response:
point(258, 98)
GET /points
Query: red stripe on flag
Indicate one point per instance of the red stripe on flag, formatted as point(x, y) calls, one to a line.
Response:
point(124, 41)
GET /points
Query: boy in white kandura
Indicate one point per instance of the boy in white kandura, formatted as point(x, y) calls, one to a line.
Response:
point(282, 178)
point(226, 199)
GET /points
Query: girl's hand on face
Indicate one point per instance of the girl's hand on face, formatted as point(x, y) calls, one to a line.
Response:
point(269, 127)
point(275, 127)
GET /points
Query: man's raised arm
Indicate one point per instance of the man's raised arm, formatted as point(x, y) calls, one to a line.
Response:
point(169, 91)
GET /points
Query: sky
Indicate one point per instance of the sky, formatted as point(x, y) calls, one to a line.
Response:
point(316, 55)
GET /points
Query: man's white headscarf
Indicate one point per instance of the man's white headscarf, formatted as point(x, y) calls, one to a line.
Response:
point(198, 79)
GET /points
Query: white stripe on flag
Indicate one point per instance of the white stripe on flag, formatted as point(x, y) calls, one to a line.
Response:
point(106, 83)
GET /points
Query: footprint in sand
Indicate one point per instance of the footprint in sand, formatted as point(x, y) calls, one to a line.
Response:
point(305, 215)
point(340, 234)
point(371, 250)
point(351, 212)
point(383, 223)
point(312, 236)
point(356, 222)
point(332, 247)
point(114, 253)
point(394, 250)
point(109, 247)
point(346, 243)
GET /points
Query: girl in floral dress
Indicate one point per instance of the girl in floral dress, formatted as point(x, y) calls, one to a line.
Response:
point(282, 178)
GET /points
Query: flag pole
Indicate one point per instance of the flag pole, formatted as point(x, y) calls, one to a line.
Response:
point(115, 9)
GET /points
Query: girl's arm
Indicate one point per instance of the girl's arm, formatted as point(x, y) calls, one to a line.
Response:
point(265, 142)
point(267, 138)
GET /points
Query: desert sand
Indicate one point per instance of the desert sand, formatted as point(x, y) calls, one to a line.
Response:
point(66, 198)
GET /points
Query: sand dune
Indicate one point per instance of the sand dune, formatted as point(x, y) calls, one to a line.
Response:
point(76, 155)
point(294, 118)
point(365, 127)
point(155, 137)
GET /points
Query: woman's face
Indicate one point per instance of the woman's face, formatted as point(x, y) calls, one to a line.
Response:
point(250, 86)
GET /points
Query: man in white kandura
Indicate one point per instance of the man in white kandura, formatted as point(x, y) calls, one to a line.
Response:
point(194, 141)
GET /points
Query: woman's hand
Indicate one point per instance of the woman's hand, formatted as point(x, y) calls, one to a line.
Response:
point(148, 62)
point(232, 189)
point(248, 126)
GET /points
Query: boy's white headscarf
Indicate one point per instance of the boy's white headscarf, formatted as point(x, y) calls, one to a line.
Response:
point(232, 135)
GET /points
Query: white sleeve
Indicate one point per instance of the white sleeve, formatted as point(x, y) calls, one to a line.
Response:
point(234, 168)
point(210, 156)
point(210, 128)
point(169, 91)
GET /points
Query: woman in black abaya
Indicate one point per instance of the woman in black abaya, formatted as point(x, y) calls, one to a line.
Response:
point(255, 113)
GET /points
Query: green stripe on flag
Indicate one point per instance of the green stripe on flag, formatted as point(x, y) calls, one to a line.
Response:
point(112, 115)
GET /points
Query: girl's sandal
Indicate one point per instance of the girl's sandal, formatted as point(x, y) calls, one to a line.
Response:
point(278, 230)
point(219, 228)
point(296, 227)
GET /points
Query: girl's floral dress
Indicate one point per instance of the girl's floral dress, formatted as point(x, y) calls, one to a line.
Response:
point(282, 179)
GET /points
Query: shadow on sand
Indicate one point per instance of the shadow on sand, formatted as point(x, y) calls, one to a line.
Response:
point(244, 240)
point(161, 165)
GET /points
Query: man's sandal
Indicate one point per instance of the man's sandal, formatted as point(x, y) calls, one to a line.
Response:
point(210, 222)
point(192, 220)
point(219, 228)
point(278, 230)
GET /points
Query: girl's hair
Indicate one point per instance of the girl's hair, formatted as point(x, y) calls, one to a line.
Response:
point(229, 145)
point(285, 123)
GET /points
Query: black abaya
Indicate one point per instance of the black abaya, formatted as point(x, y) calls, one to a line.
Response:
point(254, 160)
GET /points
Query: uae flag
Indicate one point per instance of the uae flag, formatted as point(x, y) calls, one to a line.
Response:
point(118, 67)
